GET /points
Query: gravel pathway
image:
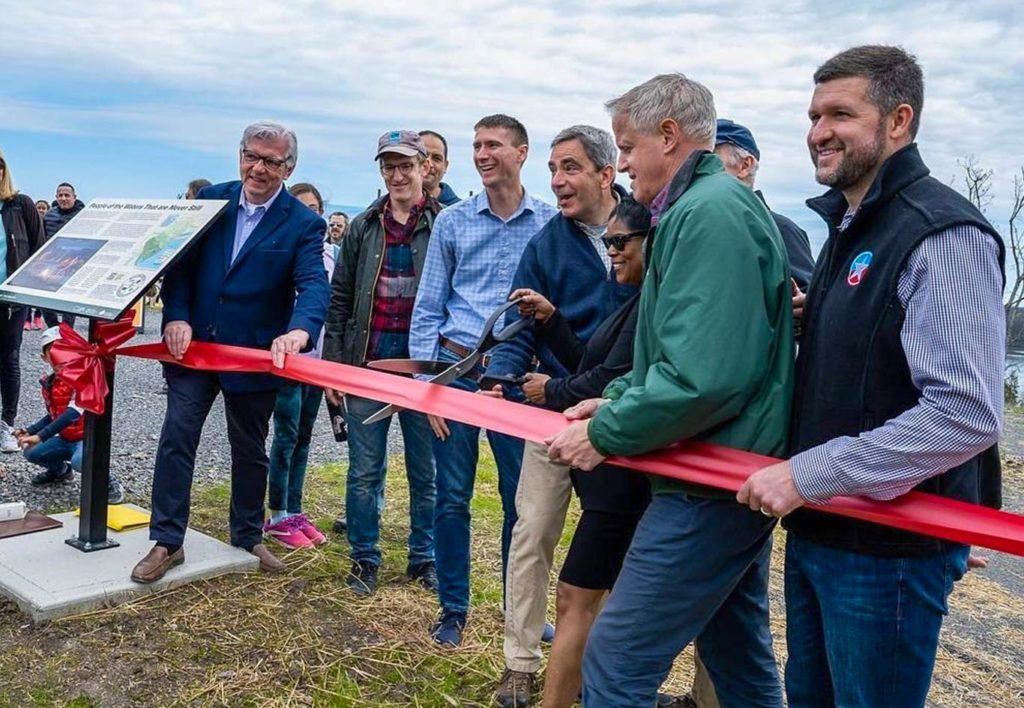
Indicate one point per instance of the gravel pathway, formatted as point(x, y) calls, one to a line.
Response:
point(139, 408)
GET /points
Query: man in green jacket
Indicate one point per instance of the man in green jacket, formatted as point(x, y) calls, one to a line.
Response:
point(713, 361)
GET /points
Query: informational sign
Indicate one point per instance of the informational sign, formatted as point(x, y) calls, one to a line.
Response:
point(108, 255)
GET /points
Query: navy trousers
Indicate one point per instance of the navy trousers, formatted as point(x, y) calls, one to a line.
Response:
point(190, 395)
point(697, 570)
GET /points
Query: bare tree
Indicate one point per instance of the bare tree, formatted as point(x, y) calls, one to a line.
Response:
point(977, 182)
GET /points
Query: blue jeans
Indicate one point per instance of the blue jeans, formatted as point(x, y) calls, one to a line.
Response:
point(295, 412)
point(367, 467)
point(53, 453)
point(863, 630)
point(456, 473)
point(697, 570)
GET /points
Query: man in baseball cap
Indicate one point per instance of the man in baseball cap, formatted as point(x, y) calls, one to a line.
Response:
point(400, 142)
point(735, 146)
point(372, 295)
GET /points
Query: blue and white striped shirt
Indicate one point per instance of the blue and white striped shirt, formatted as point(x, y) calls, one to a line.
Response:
point(470, 261)
point(954, 338)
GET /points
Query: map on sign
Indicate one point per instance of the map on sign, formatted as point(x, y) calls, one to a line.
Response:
point(108, 255)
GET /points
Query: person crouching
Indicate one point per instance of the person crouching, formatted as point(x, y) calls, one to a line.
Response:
point(54, 442)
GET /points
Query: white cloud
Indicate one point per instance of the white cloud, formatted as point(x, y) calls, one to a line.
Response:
point(190, 74)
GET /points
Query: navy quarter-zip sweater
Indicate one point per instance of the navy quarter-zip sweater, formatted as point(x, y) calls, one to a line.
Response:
point(561, 264)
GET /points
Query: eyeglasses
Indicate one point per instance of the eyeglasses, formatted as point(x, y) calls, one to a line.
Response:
point(271, 163)
point(405, 168)
point(619, 241)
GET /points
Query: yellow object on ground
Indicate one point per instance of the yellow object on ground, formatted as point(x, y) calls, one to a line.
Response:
point(122, 516)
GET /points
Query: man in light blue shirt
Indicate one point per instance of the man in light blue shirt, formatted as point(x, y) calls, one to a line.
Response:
point(473, 253)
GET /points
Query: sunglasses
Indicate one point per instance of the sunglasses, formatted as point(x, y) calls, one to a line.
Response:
point(619, 242)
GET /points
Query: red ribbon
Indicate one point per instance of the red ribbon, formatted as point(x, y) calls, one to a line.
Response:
point(700, 463)
point(84, 365)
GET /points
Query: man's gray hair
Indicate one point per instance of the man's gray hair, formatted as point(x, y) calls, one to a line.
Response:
point(734, 155)
point(669, 96)
point(269, 130)
point(599, 145)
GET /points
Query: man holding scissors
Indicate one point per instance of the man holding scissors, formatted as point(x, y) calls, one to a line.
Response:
point(473, 253)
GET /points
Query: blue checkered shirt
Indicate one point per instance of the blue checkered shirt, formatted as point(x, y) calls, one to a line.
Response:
point(954, 338)
point(471, 259)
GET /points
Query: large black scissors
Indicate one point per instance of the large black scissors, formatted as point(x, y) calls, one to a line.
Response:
point(445, 372)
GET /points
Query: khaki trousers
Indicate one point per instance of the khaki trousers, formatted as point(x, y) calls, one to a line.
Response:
point(542, 499)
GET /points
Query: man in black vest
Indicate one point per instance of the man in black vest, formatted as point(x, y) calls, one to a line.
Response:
point(899, 387)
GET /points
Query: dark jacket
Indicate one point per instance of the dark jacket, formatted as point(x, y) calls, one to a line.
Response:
point(55, 217)
point(347, 331)
point(24, 228)
point(561, 264)
point(606, 355)
point(798, 247)
point(276, 283)
point(447, 197)
point(852, 371)
point(595, 363)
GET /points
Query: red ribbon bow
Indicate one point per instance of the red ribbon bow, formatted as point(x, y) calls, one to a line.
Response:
point(84, 365)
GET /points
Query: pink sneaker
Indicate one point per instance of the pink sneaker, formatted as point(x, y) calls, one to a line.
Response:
point(287, 532)
point(311, 532)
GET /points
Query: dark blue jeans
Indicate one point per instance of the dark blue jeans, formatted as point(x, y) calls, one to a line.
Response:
point(863, 630)
point(190, 395)
point(367, 467)
point(697, 570)
point(53, 453)
point(295, 412)
point(456, 473)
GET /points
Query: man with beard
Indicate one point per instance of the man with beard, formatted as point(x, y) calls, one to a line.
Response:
point(899, 387)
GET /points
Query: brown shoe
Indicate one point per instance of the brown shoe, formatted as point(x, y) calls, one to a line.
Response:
point(156, 563)
point(515, 689)
point(269, 563)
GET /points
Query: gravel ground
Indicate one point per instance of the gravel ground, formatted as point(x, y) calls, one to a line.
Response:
point(139, 408)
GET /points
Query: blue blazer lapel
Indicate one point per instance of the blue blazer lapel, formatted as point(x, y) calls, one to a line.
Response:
point(275, 216)
point(230, 224)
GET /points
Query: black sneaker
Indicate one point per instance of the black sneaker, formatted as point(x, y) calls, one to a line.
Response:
point(340, 526)
point(51, 477)
point(447, 631)
point(362, 578)
point(425, 573)
point(115, 491)
point(666, 700)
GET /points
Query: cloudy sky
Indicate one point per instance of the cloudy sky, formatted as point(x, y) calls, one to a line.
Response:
point(134, 99)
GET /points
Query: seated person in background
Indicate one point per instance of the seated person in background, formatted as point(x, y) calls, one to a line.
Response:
point(613, 498)
point(55, 440)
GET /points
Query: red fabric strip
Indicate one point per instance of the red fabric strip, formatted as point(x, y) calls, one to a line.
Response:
point(700, 463)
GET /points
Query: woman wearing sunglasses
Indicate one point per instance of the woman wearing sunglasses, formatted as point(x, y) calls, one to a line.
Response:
point(612, 498)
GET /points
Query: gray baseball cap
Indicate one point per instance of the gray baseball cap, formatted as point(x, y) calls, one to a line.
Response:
point(401, 142)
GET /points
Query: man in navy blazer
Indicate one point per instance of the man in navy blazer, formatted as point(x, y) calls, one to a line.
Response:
point(255, 279)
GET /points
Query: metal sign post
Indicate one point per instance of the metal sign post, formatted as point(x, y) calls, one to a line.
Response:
point(92, 523)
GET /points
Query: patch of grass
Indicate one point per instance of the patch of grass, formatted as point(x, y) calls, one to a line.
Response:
point(302, 638)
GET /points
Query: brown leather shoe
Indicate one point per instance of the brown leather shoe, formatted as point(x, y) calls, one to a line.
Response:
point(156, 563)
point(269, 563)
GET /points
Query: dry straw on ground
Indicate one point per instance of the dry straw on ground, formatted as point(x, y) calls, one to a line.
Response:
point(303, 639)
